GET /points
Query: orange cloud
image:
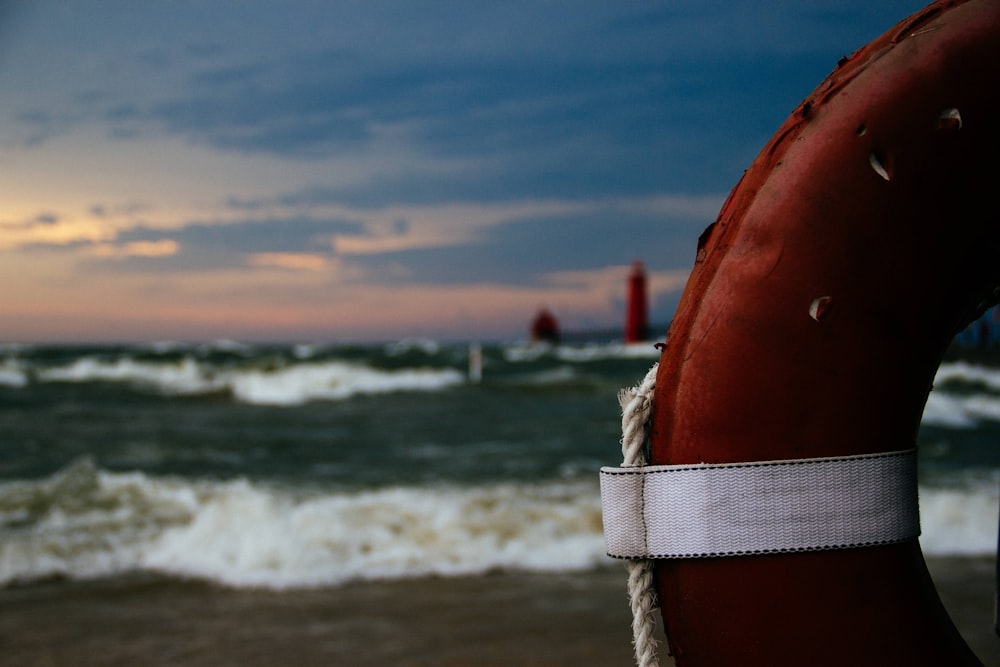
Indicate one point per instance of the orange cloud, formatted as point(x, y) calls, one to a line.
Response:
point(162, 248)
point(293, 261)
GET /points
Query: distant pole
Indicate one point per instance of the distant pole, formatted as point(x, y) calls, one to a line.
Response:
point(636, 314)
point(475, 363)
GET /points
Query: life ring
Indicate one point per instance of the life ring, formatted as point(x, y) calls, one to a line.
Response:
point(861, 239)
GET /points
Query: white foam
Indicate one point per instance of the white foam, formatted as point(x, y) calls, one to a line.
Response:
point(164, 346)
point(597, 352)
point(333, 380)
point(580, 353)
point(13, 373)
point(949, 409)
point(960, 411)
point(84, 523)
point(93, 523)
point(288, 385)
point(969, 373)
point(185, 376)
point(305, 350)
point(394, 533)
point(527, 353)
point(960, 521)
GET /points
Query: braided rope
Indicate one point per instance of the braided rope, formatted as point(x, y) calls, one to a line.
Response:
point(637, 404)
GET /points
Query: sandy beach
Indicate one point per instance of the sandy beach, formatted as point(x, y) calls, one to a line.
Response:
point(503, 619)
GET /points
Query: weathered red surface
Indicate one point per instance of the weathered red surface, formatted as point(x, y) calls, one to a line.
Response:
point(858, 243)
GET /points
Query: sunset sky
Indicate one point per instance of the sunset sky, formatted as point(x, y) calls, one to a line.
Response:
point(368, 171)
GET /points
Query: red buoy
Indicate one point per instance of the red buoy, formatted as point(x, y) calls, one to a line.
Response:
point(858, 243)
point(636, 312)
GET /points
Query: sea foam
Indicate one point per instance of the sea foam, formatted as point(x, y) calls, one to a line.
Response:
point(960, 520)
point(289, 384)
point(85, 522)
point(950, 409)
point(333, 381)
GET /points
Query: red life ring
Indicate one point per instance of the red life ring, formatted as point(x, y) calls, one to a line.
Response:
point(857, 244)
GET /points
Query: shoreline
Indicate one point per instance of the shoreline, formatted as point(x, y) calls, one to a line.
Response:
point(541, 620)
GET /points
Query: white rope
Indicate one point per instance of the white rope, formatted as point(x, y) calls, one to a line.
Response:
point(637, 404)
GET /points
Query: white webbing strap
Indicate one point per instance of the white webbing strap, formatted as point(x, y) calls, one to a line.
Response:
point(693, 511)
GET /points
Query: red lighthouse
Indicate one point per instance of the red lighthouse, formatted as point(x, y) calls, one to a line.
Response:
point(636, 315)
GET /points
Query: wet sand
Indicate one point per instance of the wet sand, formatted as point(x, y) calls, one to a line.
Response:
point(504, 619)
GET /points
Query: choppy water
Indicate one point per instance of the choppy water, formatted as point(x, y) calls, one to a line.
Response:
point(306, 465)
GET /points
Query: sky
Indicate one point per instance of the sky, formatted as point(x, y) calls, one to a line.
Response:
point(334, 171)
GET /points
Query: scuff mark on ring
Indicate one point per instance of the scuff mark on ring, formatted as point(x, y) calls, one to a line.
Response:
point(819, 306)
point(877, 165)
point(949, 120)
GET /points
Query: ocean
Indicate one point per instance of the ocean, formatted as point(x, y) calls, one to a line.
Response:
point(312, 469)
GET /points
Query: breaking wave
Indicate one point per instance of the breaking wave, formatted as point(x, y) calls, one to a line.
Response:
point(84, 522)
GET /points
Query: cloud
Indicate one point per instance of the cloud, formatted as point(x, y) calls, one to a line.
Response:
point(291, 261)
point(545, 100)
point(51, 230)
point(520, 246)
point(300, 243)
point(37, 126)
point(161, 248)
point(508, 128)
point(38, 221)
point(528, 251)
point(496, 127)
point(303, 121)
point(269, 235)
point(122, 210)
